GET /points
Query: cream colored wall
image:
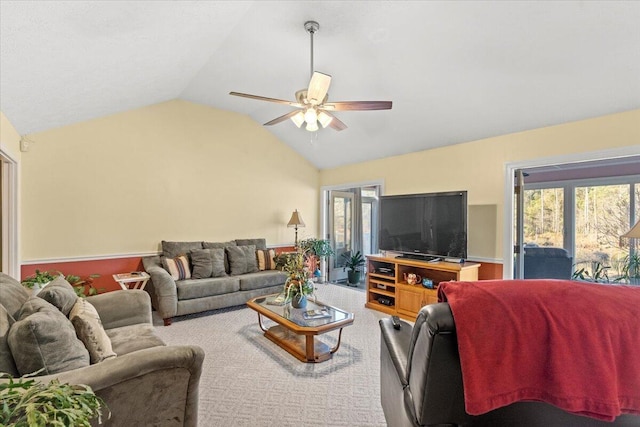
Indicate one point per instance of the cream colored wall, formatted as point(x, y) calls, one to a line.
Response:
point(9, 138)
point(173, 171)
point(479, 168)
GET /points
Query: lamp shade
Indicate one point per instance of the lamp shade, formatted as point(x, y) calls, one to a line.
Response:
point(298, 118)
point(324, 119)
point(634, 232)
point(296, 220)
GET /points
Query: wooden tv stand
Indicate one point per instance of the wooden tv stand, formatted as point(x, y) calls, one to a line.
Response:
point(385, 279)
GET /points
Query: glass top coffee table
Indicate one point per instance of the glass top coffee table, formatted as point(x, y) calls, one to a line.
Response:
point(296, 328)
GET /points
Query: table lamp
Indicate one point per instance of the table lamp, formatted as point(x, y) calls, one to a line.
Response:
point(634, 232)
point(295, 222)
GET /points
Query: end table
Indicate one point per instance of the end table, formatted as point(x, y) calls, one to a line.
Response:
point(133, 280)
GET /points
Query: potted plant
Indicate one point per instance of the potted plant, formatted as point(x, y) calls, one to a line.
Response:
point(83, 287)
point(27, 402)
point(353, 262)
point(316, 250)
point(598, 274)
point(39, 280)
point(631, 269)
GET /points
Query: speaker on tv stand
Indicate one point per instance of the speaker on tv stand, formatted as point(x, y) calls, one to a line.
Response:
point(385, 301)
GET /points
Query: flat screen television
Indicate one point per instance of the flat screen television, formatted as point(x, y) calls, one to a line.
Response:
point(425, 225)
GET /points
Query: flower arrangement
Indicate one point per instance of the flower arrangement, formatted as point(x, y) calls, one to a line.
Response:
point(300, 267)
point(298, 281)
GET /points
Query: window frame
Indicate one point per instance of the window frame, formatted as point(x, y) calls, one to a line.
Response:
point(569, 208)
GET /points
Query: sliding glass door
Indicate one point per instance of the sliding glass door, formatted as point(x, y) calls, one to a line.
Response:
point(602, 215)
point(583, 218)
point(544, 217)
point(342, 231)
point(352, 225)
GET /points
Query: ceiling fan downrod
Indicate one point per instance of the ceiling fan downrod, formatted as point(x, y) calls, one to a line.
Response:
point(312, 27)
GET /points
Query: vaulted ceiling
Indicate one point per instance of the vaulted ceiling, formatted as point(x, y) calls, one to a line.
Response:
point(455, 71)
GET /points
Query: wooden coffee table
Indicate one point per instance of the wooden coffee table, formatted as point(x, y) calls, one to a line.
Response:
point(295, 333)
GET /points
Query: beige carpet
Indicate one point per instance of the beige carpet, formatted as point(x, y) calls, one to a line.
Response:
point(249, 381)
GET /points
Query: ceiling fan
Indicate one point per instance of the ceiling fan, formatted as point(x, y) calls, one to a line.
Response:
point(311, 103)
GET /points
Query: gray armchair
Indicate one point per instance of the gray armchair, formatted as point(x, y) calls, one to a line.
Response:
point(421, 381)
point(147, 383)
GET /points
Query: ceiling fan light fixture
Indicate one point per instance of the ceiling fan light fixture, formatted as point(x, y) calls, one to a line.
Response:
point(311, 116)
point(312, 127)
point(298, 118)
point(324, 119)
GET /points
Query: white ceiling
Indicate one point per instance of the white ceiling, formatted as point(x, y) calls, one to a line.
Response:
point(455, 71)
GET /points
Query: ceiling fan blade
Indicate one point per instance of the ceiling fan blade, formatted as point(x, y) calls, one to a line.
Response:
point(282, 118)
point(335, 123)
point(318, 88)
point(264, 98)
point(357, 105)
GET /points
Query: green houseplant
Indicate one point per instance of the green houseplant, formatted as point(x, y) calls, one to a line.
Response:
point(39, 279)
point(82, 286)
point(631, 268)
point(320, 248)
point(353, 262)
point(316, 250)
point(598, 273)
point(27, 402)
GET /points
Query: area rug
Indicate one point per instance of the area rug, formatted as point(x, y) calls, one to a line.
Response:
point(249, 381)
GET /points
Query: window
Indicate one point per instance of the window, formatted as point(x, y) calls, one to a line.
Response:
point(544, 217)
point(585, 217)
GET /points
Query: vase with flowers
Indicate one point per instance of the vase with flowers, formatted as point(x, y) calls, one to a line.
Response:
point(298, 284)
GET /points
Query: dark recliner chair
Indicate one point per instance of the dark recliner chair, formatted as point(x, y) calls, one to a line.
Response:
point(547, 263)
point(421, 381)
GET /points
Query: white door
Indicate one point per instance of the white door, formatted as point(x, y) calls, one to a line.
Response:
point(340, 231)
point(9, 216)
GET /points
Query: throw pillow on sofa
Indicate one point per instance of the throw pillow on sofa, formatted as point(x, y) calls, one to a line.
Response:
point(43, 338)
point(242, 259)
point(208, 263)
point(266, 259)
point(260, 243)
point(59, 293)
point(177, 267)
point(221, 245)
point(89, 329)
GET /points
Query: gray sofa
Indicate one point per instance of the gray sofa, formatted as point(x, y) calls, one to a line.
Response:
point(547, 263)
point(171, 297)
point(145, 383)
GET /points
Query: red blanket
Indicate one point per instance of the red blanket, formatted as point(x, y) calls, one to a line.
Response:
point(571, 344)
